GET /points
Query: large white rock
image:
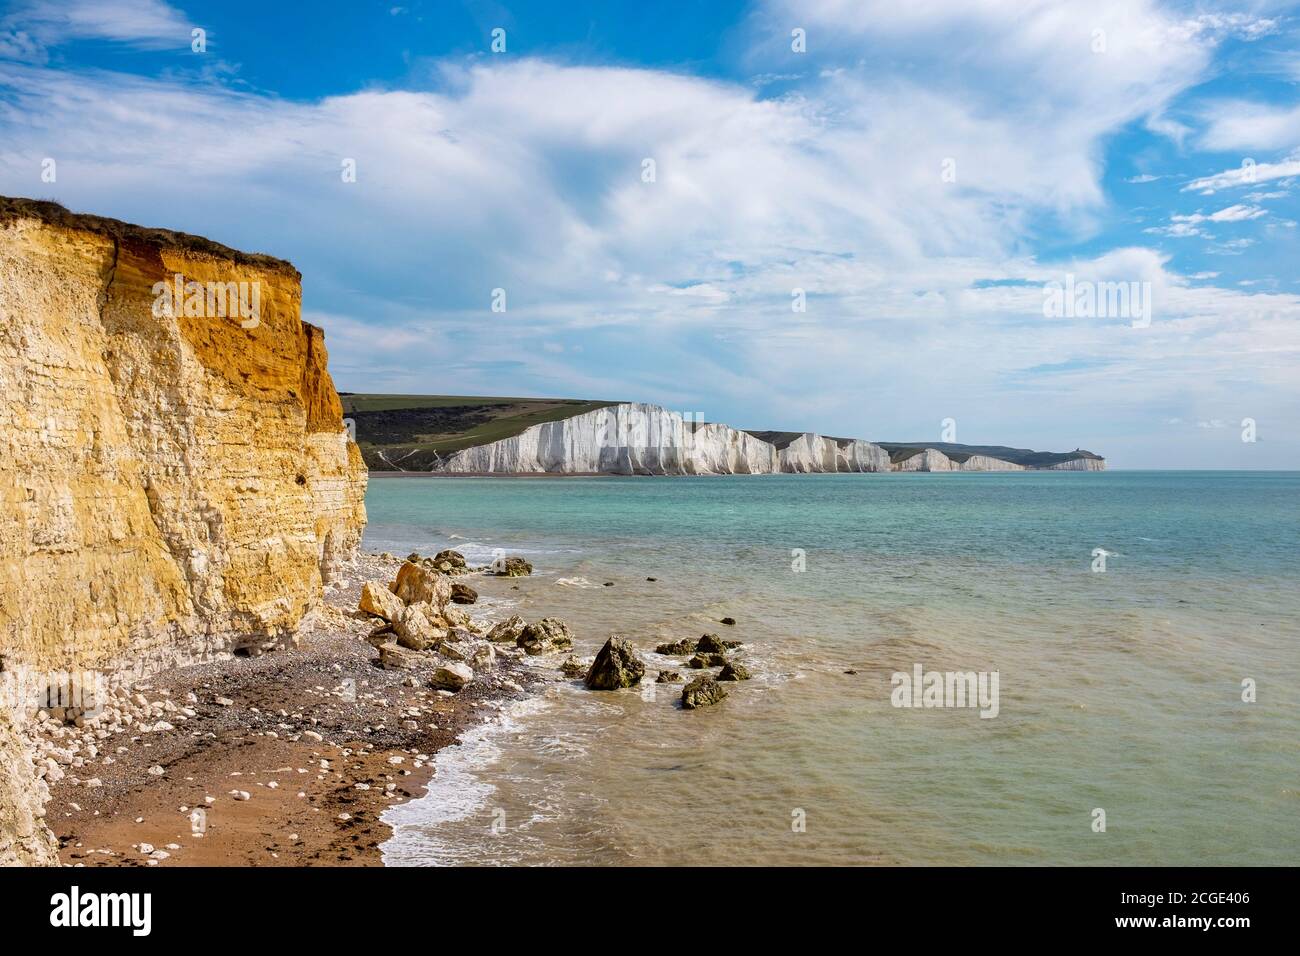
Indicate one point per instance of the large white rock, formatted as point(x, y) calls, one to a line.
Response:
point(927, 459)
point(639, 439)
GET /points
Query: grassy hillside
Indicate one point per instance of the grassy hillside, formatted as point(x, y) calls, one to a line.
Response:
point(410, 431)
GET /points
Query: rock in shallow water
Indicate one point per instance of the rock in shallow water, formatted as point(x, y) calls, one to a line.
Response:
point(702, 692)
point(685, 646)
point(507, 631)
point(548, 634)
point(617, 665)
point(668, 677)
point(512, 567)
point(711, 644)
point(463, 594)
point(706, 660)
point(734, 671)
point(574, 668)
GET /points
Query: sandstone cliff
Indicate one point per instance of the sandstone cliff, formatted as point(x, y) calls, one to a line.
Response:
point(171, 485)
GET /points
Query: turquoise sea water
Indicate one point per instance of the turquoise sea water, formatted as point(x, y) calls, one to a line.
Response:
point(1119, 690)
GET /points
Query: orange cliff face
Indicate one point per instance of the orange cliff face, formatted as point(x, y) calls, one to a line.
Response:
point(171, 485)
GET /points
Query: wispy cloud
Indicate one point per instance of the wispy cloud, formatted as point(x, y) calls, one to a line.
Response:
point(29, 28)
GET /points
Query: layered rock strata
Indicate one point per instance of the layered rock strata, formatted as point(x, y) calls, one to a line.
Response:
point(175, 480)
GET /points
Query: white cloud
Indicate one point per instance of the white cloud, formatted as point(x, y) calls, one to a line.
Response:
point(1247, 174)
point(1238, 124)
point(30, 27)
point(526, 175)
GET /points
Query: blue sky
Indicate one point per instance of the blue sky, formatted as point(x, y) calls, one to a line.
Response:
point(922, 171)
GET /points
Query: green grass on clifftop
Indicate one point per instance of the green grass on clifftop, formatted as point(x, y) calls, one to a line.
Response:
point(409, 432)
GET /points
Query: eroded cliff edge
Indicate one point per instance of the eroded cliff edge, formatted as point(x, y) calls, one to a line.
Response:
point(171, 486)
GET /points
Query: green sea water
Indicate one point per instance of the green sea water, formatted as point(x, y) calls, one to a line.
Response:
point(1120, 690)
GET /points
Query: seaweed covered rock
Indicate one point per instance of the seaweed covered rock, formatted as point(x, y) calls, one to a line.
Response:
point(449, 562)
point(711, 644)
point(702, 692)
point(734, 671)
point(616, 665)
point(511, 567)
point(685, 646)
point(706, 660)
point(544, 636)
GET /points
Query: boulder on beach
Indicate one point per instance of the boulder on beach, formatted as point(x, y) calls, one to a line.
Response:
point(484, 658)
point(669, 677)
point(507, 631)
point(454, 650)
point(452, 676)
point(377, 599)
point(456, 616)
point(734, 671)
point(415, 585)
point(381, 635)
point(418, 627)
point(616, 665)
point(463, 594)
point(548, 634)
point(706, 660)
point(511, 567)
point(711, 644)
point(685, 646)
point(392, 657)
point(701, 692)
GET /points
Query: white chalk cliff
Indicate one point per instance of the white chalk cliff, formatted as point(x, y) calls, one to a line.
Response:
point(640, 439)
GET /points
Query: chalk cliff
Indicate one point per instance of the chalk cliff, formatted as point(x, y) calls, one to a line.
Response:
point(1078, 464)
point(927, 459)
point(811, 454)
point(639, 439)
point(171, 485)
point(626, 439)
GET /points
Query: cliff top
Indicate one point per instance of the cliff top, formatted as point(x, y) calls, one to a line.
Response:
point(57, 215)
point(415, 429)
point(901, 451)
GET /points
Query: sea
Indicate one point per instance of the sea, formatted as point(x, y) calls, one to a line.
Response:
point(1140, 630)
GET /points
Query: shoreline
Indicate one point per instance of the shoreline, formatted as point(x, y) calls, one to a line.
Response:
point(288, 764)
